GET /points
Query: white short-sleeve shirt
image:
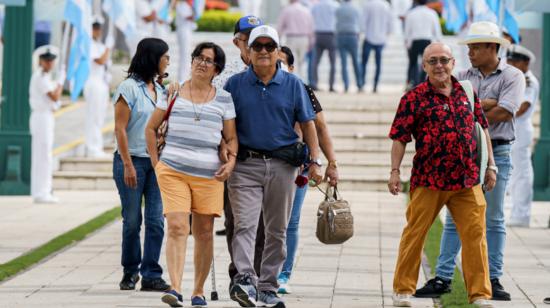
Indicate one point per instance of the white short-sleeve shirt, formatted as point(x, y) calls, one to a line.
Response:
point(41, 84)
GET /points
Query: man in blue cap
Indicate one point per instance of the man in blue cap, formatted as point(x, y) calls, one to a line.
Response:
point(243, 27)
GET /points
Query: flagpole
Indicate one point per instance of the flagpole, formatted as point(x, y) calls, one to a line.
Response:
point(64, 47)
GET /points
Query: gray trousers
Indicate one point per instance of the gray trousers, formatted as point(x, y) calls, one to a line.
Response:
point(324, 41)
point(258, 185)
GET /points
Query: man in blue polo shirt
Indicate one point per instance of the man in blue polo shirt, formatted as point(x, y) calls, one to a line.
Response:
point(268, 102)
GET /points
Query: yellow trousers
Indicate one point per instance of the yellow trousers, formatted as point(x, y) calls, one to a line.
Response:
point(467, 207)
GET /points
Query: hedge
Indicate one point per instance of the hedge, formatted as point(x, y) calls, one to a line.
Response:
point(218, 21)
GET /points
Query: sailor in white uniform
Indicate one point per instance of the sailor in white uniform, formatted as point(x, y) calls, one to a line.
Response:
point(521, 182)
point(44, 94)
point(96, 92)
point(185, 25)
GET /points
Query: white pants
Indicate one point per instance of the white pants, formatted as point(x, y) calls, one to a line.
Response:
point(299, 46)
point(42, 132)
point(96, 93)
point(250, 7)
point(184, 33)
point(521, 182)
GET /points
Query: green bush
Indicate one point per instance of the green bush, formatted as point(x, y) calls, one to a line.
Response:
point(218, 21)
point(444, 29)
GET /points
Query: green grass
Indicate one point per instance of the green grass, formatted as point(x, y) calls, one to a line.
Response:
point(458, 297)
point(70, 237)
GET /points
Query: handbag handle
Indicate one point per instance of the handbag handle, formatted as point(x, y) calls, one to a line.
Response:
point(329, 191)
point(169, 110)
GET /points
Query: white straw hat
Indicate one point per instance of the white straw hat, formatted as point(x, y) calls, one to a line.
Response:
point(484, 32)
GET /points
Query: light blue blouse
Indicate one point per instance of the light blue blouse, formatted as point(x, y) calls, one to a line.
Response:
point(141, 106)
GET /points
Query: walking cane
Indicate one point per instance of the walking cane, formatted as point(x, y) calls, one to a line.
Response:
point(214, 293)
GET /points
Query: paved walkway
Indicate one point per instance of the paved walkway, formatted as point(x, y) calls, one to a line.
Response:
point(356, 274)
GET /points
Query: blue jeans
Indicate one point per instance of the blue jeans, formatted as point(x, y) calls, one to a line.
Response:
point(292, 234)
point(131, 200)
point(309, 59)
point(496, 228)
point(367, 47)
point(349, 44)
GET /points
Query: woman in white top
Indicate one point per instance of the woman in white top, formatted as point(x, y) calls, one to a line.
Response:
point(189, 171)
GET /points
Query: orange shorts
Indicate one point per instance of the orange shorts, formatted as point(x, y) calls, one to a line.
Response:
point(186, 193)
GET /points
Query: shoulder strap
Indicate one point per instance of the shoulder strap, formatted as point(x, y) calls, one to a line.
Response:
point(169, 110)
point(469, 89)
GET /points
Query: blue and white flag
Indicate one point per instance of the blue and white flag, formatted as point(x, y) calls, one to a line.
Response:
point(123, 14)
point(455, 14)
point(509, 21)
point(198, 8)
point(163, 10)
point(78, 13)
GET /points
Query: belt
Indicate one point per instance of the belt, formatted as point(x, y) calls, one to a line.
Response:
point(501, 141)
point(245, 153)
point(253, 154)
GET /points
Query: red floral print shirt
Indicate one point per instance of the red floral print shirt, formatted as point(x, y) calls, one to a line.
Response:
point(443, 129)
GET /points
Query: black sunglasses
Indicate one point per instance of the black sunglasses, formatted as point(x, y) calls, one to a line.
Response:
point(269, 47)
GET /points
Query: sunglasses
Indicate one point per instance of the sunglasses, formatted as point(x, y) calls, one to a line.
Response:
point(269, 47)
point(442, 60)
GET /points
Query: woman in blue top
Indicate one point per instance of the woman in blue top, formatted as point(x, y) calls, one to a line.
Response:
point(135, 100)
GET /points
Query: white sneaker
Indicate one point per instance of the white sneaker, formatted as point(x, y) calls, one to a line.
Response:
point(46, 200)
point(401, 300)
point(483, 303)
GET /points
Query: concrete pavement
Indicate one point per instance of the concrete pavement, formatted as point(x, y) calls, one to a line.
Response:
point(356, 274)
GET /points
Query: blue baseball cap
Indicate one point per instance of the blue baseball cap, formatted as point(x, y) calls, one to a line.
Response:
point(247, 23)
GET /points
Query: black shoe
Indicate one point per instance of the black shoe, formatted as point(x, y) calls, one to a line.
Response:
point(155, 285)
point(128, 282)
point(546, 300)
point(498, 291)
point(221, 232)
point(434, 288)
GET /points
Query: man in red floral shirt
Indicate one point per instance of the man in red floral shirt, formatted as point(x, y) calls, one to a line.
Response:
point(437, 114)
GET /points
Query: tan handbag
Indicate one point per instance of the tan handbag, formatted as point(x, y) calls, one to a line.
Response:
point(334, 218)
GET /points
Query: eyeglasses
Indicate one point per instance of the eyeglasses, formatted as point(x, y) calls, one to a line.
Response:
point(442, 60)
point(269, 47)
point(200, 60)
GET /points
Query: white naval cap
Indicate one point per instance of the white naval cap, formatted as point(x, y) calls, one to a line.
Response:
point(98, 19)
point(519, 52)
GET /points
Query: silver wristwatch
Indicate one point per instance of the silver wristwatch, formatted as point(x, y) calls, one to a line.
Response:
point(494, 168)
point(317, 161)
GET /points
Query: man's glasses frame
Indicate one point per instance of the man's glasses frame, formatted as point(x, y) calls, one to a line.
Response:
point(443, 60)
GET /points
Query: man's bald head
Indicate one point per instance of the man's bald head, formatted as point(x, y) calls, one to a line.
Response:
point(438, 63)
point(437, 48)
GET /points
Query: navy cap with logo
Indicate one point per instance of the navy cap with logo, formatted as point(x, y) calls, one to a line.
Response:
point(247, 23)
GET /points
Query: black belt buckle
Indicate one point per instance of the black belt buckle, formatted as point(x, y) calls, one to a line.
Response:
point(254, 154)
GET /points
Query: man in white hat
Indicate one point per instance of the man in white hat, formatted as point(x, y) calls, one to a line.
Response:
point(500, 87)
point(44, 94)
point(269, 102)
point(522, 175)
point(96, 92)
